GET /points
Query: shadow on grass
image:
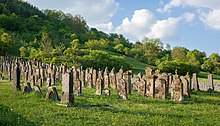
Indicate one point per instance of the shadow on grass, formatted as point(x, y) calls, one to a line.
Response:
point(91, 105)
point(203, 97)
point(10, 118)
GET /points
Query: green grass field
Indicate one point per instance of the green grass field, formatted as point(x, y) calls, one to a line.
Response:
point(32, 109)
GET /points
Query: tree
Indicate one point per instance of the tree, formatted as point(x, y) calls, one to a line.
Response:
point(5, 42)
point(212, 64)
point(101, 44)
point(119, 48)
point(179, 54)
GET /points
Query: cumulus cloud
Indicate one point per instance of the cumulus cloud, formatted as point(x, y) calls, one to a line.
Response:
point(165, 29)
point(138, 25)
point(211, 4)
point(211, 19)
point(106, 27)
point(188, 17)
point(94, 11)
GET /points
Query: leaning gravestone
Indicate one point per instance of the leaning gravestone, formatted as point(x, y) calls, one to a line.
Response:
point(27, 88)
point(16, 82)
point(52, 94)
point(122, 89)
point(37, 89)
point(195, 84)
point(210, 86)
point(186, 87)
point(160, 88)
point(177, 89)
point(99, 86)
point(67, 96)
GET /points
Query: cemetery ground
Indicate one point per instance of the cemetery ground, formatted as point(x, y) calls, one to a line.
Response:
point(16, 108)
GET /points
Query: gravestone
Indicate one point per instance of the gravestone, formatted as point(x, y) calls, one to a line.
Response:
point(127, 77)
point(177, 89)
point(82, 78)
point(141, 87)
point(122, 89)
point(106, 78)
point(187, 76)
point(9, 71)
point(33, 81)
point(37, 89)
point(99, 86)
point(112, 79)
point(89, 80)
point(48, 82)
point(77, 87)
point(94, 76)
point(195, 84)
point(40, 82)
point(27, 88)
point(67, 96)
point(106, 92)
point(150, 83)
point(52, 94)
point(160, 88)
point(186, 87)
point(135, 82)
point(210, 85)
point(16, 81)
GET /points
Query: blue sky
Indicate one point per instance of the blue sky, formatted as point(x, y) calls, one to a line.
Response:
point(194, 24)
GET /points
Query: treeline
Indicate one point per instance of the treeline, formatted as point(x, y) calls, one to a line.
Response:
point(55, 37)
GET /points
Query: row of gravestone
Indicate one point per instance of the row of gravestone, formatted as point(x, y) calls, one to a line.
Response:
point(158, 85)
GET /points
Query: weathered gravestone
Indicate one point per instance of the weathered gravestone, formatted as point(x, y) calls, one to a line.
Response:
point(150, 83)
point(195, 84)
point(94, 76)
point(99, 86)
point(27, 88)
point(82, 78)
point(186, 87)
point(40, 82)
point(52, 94)
point(77, 87)
point(122, 89)
point(37, 89)
point(48, 82)
point(135, 83)
point(106, 92)
point(89, 80)
point(67, 96)
point(210, 85)
point(106, 78)
point(127, 77)
point(141, 87)
point(177, 89)
point(16, 81)
point(160, 88)
point(112, 78)
point(33, 81)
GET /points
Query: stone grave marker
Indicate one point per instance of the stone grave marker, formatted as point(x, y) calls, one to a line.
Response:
point(27, 88)
point(122, 89)
point(210, 85)
point(195, 84)
point(177, 89)
point(16, 81)
point(141, 87)
point(52, 94)
point(160, 88)
point(99, 86)
point(67, 96)
point(186, 86)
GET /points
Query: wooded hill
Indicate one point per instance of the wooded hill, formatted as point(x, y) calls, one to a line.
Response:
point(55, 37)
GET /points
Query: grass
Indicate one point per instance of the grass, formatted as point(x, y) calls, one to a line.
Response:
point(203, 77)
point(89, 109)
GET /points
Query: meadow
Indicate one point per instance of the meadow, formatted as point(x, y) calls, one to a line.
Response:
point(16, 108)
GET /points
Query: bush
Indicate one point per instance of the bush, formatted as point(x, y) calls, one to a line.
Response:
point(181, 67)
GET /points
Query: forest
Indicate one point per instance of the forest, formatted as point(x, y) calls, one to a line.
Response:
point(52, 36)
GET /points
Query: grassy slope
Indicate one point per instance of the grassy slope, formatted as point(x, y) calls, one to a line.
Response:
point(31, 109)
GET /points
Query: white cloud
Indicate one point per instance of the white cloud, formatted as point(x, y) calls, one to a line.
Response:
point(94, 11)
point(166, 30)
point(210, 4)
point(211, 19)
point(106, 27)
point(138, 25)
point(188, 17)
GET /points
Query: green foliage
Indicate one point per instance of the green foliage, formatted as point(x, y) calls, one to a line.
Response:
point(179, 54)
point(181, 67)
point(119, 48)
point(212, 64)
point(101, 44)
point(5, 42)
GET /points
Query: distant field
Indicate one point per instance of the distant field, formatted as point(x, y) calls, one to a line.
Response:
point(32, 109)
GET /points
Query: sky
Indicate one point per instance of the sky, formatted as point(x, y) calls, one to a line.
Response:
point(194, 24)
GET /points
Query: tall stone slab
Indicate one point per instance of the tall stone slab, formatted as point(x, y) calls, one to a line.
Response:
point(82, 78)
point(106, 78)
point(67, 96)
point(177, 89)
point(195, 84)
point(16, 81)
point(160, 88)
point(99, 86)
point(210, 85)
point(135, 82)
point(122, 89)
point(150, 83)
point(94, 76)
point(77, 87)
point(186, 87)
point(112, 78)
point(89, 80)
point(127, 77)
